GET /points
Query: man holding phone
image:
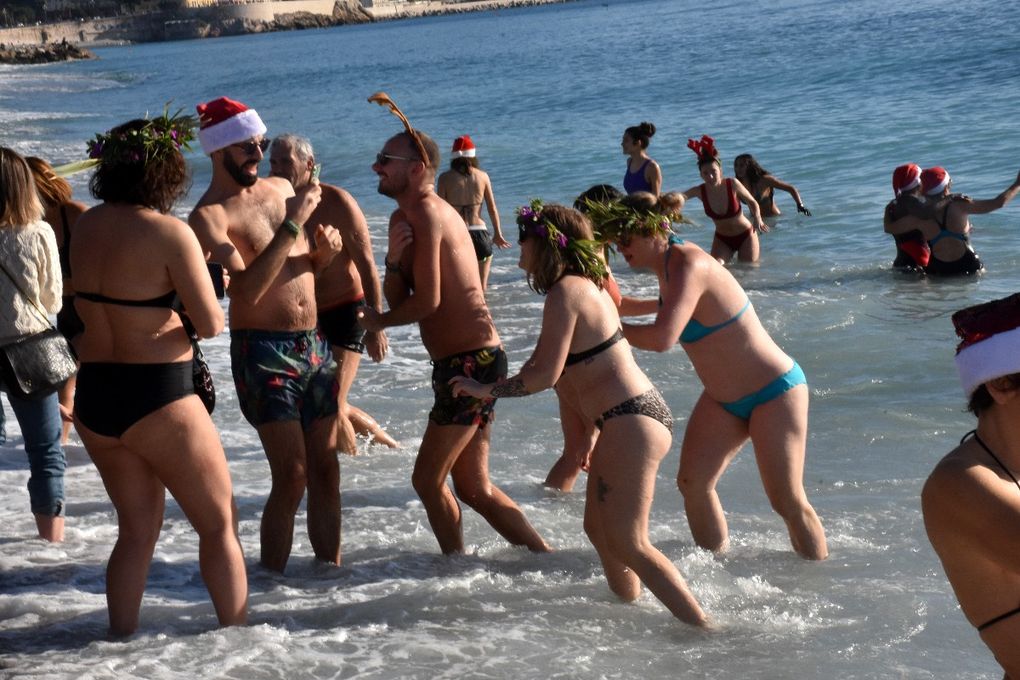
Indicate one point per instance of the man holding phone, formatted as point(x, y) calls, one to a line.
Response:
point(283, 371)
point(347, 285)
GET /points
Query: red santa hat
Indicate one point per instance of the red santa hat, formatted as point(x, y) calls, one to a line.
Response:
point(990, 346)
point(906, 177)
point(934, 180)
point(463, 147)
point(225, 122)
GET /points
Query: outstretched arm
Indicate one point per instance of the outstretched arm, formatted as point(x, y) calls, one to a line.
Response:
point(980, 207)
point(679, 298)
point(545, 366)
point(777, 183)
point(745, 196)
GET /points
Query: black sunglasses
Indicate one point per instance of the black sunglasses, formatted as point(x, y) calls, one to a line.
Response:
point(251, 145)
point(522, 233)
point(384, 158)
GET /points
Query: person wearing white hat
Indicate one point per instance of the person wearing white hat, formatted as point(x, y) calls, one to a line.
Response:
point(255, 228)
point(948, 229)
point(465, 186)
point(971, 501)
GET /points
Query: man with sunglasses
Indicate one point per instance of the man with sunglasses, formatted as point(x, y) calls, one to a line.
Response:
point(283, 370)
point(432, 279)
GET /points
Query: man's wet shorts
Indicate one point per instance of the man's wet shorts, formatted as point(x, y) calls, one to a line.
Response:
point(283, 375)
point(340, 326)
point(484, 365)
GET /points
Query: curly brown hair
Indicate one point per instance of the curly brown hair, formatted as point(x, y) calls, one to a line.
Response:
point(550, 262)
point(155, 183)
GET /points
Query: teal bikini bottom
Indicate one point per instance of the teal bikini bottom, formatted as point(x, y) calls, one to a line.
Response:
point(742, 407)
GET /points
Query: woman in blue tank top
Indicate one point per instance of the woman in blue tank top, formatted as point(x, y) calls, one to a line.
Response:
point(643, 173)
point(752, 388)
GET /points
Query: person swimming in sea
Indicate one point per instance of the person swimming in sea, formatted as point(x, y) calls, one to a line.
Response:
point(763, 184)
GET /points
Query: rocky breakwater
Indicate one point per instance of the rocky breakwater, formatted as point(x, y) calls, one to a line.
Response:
point(43, 54)
point(344, 12)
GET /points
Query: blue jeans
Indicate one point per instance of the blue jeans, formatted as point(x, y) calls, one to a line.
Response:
point(41, 428)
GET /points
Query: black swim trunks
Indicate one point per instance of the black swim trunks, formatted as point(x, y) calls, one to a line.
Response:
point(340, 326)
point(482, 242)
point(487, 365)
point(283, 375)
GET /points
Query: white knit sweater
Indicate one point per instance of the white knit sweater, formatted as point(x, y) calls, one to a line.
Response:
point(29, 254)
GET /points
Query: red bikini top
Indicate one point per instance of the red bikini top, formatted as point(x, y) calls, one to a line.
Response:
point(733, 209)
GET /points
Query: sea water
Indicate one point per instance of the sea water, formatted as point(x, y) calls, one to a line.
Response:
point(829, 96)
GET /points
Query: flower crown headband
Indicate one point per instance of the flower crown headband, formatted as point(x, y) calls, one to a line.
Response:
point(155, 140)
point(613, 219)
point(705, 148)
point(383, 99)
point(585, 253)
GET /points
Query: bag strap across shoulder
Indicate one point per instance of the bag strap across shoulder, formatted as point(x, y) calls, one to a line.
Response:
point(35, 305)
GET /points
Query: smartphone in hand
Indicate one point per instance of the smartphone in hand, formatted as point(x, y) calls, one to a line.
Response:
point(216, 273)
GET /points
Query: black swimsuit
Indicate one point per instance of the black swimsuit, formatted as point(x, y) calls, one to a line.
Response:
point(111, 397)
point(1011, 612)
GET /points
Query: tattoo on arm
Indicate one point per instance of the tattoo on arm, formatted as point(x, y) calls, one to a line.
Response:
point(514, 387)
point(602, 489)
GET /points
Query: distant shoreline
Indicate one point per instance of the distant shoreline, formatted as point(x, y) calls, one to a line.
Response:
point(41, 43)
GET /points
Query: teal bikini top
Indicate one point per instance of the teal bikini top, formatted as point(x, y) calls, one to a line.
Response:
point(943, 232)
point(695, 330)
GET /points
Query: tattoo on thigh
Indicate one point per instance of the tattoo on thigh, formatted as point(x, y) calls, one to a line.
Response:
point(603, 489)
point(514, 387)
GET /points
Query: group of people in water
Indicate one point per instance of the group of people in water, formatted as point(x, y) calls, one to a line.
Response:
point(294, 255)
point(931, 225)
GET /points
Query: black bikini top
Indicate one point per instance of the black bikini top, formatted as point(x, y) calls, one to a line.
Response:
point(166, 300)
point(601, 347)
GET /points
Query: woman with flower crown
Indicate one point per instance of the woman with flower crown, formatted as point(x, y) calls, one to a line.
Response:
point(734, 233)
point(580, 349)
point(135, 406)
point(752, 389)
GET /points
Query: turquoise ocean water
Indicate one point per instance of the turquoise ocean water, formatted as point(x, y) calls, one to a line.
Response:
point(828, 95)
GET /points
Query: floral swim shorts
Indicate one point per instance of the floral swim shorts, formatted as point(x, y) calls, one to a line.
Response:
point(283, 375)
point(484, 365)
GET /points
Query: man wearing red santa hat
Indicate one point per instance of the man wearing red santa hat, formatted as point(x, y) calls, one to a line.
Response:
point(283, 369)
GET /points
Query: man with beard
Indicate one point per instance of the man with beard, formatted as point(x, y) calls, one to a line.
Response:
point(348, 284)
point(432, 278)
point(283, 371)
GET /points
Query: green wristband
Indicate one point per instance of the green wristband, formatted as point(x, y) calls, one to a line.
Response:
point(391, 267)
point(291, 226)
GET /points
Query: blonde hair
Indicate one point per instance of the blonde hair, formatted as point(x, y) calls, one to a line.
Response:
point(19, 201)
point(53, 190)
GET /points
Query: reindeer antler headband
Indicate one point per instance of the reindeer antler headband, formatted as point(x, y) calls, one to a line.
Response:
point(383, 99)
point(704, 148)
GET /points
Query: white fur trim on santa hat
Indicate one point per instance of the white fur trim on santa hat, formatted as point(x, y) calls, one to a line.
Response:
point(989, 359)
point(467, 153)
point(237, 128)
point(916, 182)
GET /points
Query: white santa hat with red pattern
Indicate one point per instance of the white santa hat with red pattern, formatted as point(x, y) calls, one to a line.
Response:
point(463, 147)
point(224, 122)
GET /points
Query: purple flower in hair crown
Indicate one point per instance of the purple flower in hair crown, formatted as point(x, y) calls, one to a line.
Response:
point(155, 140)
